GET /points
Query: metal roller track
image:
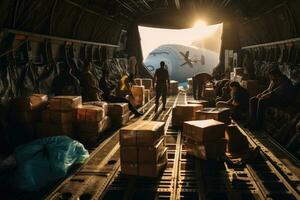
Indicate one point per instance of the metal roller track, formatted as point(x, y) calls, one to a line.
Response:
point(185, 177)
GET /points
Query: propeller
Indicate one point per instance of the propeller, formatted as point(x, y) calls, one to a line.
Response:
point(188, 61)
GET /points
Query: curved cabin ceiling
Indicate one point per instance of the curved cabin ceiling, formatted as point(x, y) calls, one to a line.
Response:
point(103, 20)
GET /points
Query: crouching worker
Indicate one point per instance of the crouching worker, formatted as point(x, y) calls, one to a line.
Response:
point(125, 84)
point(89, 85)
point(110, 98)
point(238, 103)
point(280, 93)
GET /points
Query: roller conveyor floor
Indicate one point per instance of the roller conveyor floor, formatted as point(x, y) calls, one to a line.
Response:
point(275, 175)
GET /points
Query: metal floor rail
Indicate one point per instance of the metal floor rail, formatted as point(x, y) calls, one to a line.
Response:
point(185, 177)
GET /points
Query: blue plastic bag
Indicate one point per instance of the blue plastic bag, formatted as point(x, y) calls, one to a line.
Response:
point(45, 161)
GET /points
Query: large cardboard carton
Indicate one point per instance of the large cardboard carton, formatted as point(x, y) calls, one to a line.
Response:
point(57, 116)
point(173, 87)
point(209, 94)
point(117, 109)
point(32, 102)
point(147, 83)
point(219, 114)
point(204, 130)
point(252, 86)
point(89, 131)
point(139, 96)
point(142, 133)
point(89, 113)
point(121, 120)
point(184, 112)
point(190, 81)
point(206, 151)
point(238, 71)
point(101, 104)
point(202, 102)
point(26, 116)
point(237, 142)
point(65, 102)
point(143, 154)
point(138, 81)
point(145, 169)
point(54, 129)
point(147, 95)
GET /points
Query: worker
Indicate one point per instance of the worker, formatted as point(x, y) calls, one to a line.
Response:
point(89, 85)
point(239, 101)
point(109, 97)
point(279, 94)
point(125, 84)
point(161, 83)
point(199, 82)
point(65, 83)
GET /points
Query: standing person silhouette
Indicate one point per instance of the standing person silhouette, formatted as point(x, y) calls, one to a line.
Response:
point(162, 81)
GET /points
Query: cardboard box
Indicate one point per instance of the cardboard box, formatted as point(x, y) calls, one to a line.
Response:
point(219, 114)
point(89, 131)
point(142, 133)
point(237, 142)
point(27, 116)
point(147, 170)
point(57, 116)
point(190, 82)
point(202, 102)
point(117, 109)
point(121, 120)
point(207, 151)
point(252, 86)
point(184, 112)
point(173, 87)
point(232, 76)
point(138, 81)
point(101, 104)
point(238, 71)
point(138, 93)
point(204, 130)
point(143, 154)
point(147, 95)
point(54, 129)
point(65, 102)
point(147, 83)
point(32, 102)
point(89, 113)
point(209, 94)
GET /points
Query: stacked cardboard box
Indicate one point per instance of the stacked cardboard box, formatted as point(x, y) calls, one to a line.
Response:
point(184, 112)
point(91, 121)
point(139, 95)
point(118, 113)
point(190, 86)
point(59, 117)
point(26, 112)
point(252, 86)
point(209, 94)
point(202, 102)
point(138, 81)
point(147, 95)
point(143, 150)
point(147, 83)
point(173, 87)
point(220, 114)
point(238, 71)
point(205, 139)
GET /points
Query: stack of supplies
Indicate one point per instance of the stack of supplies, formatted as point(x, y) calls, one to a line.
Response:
point(184, 112)
point(220, 114)
point(138, 81)
point(205, 139)
point(147, 83)
point(91, 121)
point(26, 112)
point(147, 95)
point(118, 113)
point(209, 94)
point(190, 86)
point(143, 151)
point(139, 95)
point(202, 102)
point(173, 87)
point(59, 117)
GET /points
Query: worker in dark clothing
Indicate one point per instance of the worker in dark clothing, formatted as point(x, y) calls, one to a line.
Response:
point(280, 93)
point(239, 101)
point(199, 82)
point(107, 96)
point(89, 85)
point(162, 81)
point(65, 83)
